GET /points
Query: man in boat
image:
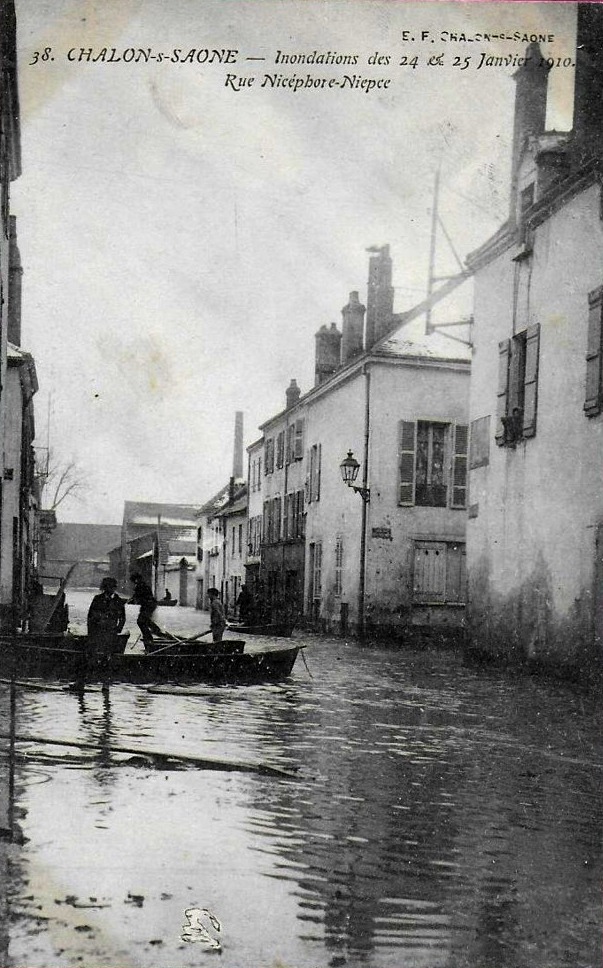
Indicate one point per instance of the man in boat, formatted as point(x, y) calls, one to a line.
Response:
point(107, 613)
point(217, 619)
point(144, 597)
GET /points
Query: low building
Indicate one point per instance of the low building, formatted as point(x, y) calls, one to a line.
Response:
point(535, 528)
point(83, 547)
point(159, 541)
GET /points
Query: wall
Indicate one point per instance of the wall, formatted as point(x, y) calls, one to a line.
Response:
point(531, 547)
point(335, 420)
point(413, 392)
point(10, 488)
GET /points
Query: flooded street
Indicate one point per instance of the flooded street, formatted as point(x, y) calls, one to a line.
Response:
point(441, 815)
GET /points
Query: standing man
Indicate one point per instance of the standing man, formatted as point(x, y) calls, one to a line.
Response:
point(217, 619)
point(107, 613)
point(144, 597)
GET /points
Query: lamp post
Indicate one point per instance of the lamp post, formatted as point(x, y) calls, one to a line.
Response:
point(349, 468)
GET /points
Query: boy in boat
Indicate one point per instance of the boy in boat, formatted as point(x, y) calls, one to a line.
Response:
point(144, 597)
point(107, 613)
point(217, 619)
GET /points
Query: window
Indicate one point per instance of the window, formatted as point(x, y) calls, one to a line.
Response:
point(255, 535)
point(338, 565)
point(234, 532)
point(269, 456)
point(267, 524)
point(240, 539)
point(295, 441)
point(517, 387)
point(290, 443)
point(280, 449)
point(439, 572)
point(314, 473)
point(594, 388)
point(432, 464)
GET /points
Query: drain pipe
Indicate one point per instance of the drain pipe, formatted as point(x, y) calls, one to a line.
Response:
point(365, 503)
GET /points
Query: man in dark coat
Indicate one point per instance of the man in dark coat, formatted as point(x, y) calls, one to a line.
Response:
point(107, 614)
point(144, 597)
point(217, 619)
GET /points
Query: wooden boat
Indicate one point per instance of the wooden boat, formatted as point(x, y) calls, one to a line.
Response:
point(167, 602)
point(69, 658)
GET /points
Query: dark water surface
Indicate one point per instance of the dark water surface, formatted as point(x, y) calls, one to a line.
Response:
point(442, 815)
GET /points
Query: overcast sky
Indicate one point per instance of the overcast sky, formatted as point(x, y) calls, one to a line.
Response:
point(182, 242)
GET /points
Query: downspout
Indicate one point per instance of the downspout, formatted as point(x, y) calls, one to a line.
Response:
point(365, 475)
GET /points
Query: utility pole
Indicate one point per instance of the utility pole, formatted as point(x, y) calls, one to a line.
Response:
point(432, 250)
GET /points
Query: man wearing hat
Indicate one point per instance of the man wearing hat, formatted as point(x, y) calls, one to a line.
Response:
point(107, 613)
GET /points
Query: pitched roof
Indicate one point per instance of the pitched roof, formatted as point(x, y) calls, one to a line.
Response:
point(81, 542)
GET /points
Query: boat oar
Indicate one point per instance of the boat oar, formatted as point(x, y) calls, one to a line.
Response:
point(179, 642)
point(202, 762)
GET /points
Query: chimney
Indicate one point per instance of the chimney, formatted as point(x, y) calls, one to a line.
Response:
point(352, 328)
point(292, 394)
point(380, 296)
point(237, 456)
point(328, 353)
point(530, 110)
point(15, 273)
point(588, 85)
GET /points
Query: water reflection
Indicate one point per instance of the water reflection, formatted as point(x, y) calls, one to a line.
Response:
point(442, 816)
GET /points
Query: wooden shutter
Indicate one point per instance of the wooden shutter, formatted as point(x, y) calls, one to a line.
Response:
point(504, 354)
point(299, 440)
point(592, 402)
point(530, 398)
point(406, 462)
point(318, 470)
point(459, 466)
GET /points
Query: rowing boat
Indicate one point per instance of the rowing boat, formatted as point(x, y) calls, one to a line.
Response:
point(226, 662)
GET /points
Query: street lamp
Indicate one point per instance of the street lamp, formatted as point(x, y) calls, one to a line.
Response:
point(349, 468)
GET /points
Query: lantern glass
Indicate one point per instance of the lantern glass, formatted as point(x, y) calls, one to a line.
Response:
point(349, 468)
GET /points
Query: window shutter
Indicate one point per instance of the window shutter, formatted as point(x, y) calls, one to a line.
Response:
point(299, 440)
point(530, 399)
point(592, 402)
point(459, 466)
point(406, 462)
point(504, 353)
point(318, 468)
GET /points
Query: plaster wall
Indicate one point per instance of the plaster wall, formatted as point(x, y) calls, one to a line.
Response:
point(531, 547)
point(335, 420)
point(10, 488)
point(412, 392)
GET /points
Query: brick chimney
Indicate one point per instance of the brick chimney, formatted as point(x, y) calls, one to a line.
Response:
point(237, 454)
point(380, 296)
point(292, 394)
point(15, 273)
point(328, 353)
point(588, 85)
point(352, 328)
point(530, 110)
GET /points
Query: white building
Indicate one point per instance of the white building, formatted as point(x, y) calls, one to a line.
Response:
point(535, 529)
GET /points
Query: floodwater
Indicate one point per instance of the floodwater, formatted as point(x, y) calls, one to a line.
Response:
point(440, 816)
